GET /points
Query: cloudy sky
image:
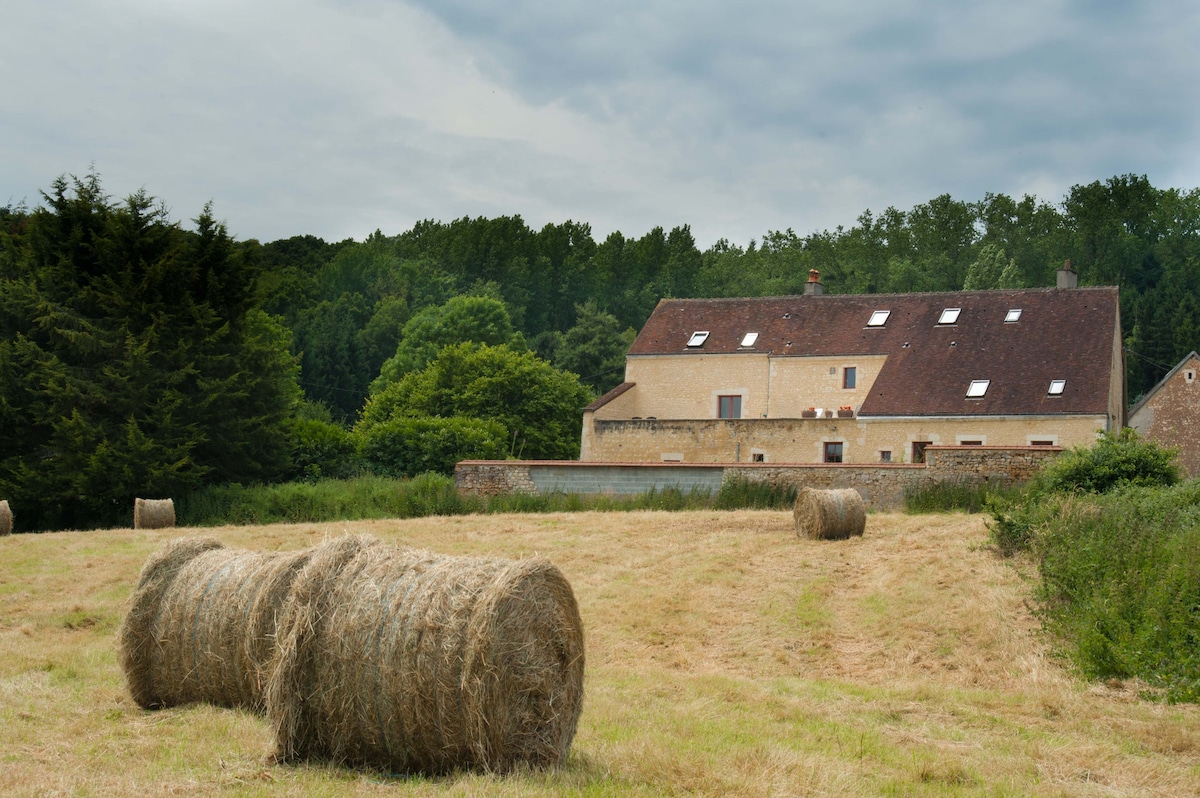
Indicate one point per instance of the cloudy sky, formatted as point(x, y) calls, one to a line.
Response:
point(339, 118)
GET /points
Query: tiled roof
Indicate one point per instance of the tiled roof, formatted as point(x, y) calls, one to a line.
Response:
point(1061, 335)
point(608, 397)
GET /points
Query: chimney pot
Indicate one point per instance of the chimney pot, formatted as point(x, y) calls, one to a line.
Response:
point(1067, 277)
point(813, 287)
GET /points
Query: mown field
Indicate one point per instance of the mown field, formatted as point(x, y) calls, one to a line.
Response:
point(724, 657)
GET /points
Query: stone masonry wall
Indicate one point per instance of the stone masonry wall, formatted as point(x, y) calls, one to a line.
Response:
point(882, 486)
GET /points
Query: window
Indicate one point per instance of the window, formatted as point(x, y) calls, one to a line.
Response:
point(949, 316)
point(758, 457)
point(729, 407)
point(1057, 387)
point(885, 456)
point(1013, 315)
point(849, 376)
point(833, 452)
point(878, 318)
point(1189, 375)
point(1041, 443)
point(698, 338)
point(749, 339)
point(970, 443)
point(978, 389)
point(919, 450)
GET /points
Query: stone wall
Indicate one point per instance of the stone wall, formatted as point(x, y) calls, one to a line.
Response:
point(882, 486)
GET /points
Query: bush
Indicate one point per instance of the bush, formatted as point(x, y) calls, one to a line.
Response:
point(322, 450)
point(405, 447)
point(1111, 461)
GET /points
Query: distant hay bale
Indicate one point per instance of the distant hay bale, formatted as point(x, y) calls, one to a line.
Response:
point(829, 514)
point(416, 662)
point(153, 513)
point(201, 624)
point(5, 518)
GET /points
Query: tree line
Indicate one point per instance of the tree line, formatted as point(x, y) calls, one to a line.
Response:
point(139, 356)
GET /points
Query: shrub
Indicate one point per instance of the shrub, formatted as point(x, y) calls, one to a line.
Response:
point(1113, 460)
point(405, 447)
point(322, 450)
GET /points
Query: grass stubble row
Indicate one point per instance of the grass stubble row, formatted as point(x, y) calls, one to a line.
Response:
point(364, 653)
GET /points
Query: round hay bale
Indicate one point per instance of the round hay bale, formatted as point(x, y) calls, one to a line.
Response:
point(6, 517)
point(153, 513)
point(201, 624)
point(829, 514)
point(416, 662)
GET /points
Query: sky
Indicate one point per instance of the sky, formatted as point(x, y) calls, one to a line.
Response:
point(337, 119)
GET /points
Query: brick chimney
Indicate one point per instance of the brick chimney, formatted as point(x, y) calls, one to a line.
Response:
point(1067, 277)
point(813, 287)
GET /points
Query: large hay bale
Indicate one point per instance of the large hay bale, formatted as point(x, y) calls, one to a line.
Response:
point(5, 518)
point(416, 662)
point(201, 623)
point(829, 514)
point(153, 513)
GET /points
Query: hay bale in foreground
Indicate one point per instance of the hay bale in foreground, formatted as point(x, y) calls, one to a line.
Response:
point(201, 624)
point(417, 662)
point(153, 513)
point(5, 518)
point(829, 514)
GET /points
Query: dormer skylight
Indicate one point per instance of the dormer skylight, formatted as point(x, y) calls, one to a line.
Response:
point(698, 338)
point(949, 316)
point(1057, 387)
point(978, 389)
point(749, 339)
point(878, 318)
point(1012, 316)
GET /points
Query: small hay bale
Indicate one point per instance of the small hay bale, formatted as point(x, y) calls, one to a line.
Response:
point(153, 513)
point(829, 514)
point(416, 662)
point(201, 624)
point(5, 518)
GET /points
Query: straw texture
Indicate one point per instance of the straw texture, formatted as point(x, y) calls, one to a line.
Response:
point(6, 518)
point(153, 513)
point(829, 514)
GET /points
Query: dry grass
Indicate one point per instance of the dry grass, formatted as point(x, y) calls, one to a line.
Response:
point(725, 656)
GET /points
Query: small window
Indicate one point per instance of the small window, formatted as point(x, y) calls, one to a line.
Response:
point(1057, 387)
point(978, 389)
point(758, 457)
point(885, 456)
point(878, 318)
point(918, 450)
point(970, 443)
point(849, 376)
point(1013, 315)
point(833, 452)
point(729, 407)
point(698, 338)
point(1041, 443)
point(949, 316)
point(1189, 375)
point(749, 339)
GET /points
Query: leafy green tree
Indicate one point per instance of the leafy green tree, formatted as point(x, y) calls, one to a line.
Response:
point(131, 360)
point(539, 405)
point(478, 319)
point(595, 348)
point(408, 446)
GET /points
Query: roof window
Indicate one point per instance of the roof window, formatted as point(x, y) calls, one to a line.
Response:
point(878, 318)
point(949, 316)
point(698, 338)
point(1013, 315)
point(1057, 387)
point(749, 339)
point(978, 389)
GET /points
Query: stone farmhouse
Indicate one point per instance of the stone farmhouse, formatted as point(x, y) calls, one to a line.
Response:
point(1170, 413)
point(864, 379)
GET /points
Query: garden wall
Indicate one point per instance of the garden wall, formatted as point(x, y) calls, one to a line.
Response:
point(881, 485)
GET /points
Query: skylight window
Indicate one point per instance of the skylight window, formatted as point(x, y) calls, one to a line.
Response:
point(978, 389)
point(749, 339)
point(698, 338)
point(879, 318)
point(1057, 387)
point(949, 316)
point(1013, 315)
